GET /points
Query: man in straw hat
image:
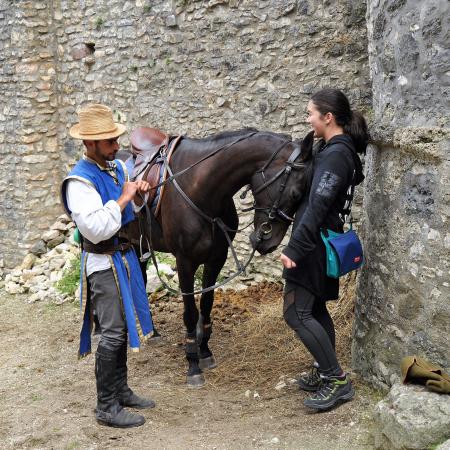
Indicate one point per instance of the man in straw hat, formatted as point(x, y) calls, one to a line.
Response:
point(97, 195)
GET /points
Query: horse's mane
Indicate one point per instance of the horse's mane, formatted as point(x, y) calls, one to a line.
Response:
point(214, 138)
point(312, 149)
point(227, 135)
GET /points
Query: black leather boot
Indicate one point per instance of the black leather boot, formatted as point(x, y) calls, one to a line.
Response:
point(109, 411)
point(125, 395)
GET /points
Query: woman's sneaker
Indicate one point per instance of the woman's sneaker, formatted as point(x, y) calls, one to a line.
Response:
point(311, 381)
point(334, 390)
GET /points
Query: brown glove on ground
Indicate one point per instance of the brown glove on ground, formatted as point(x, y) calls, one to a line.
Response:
point(441, 387)
point(418, 370)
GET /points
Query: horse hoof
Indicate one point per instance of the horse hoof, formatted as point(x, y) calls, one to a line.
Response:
point(196, 381)
point(207, 363)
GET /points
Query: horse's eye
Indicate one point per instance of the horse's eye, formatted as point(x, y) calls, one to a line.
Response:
point(295, 195)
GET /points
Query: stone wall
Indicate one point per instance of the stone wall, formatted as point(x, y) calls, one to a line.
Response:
point(198, 67)
point(191, 67)
point(29, 150)
point(403, 304)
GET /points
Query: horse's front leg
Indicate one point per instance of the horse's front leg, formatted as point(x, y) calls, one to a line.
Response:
point(211, 271)
point(186, 271)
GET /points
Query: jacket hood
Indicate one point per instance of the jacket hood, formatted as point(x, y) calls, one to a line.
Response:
point(348, 142)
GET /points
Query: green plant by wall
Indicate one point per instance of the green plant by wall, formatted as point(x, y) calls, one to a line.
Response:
point(166, 258)
point(69, 282)
point(99, 23)
point(198, 277)
point(183, 3)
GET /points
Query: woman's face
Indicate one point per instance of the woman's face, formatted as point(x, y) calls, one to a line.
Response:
point(317, 120)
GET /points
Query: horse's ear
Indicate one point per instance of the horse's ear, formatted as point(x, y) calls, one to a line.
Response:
point(307, 146)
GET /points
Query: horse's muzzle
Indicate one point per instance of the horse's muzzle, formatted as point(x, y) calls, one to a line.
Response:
point(261, 245)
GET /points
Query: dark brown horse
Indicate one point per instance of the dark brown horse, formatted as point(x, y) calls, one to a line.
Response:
point(275, 169)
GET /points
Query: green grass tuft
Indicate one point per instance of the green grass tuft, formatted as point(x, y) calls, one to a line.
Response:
point(70, 280)
point(99, 23)
point(36, 397)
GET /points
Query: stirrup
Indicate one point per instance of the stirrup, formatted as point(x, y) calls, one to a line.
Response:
point(146, 256)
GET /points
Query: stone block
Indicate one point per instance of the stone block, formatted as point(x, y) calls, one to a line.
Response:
point(444, 446)
point(56, 241)
point(37, 296)
point(57, 263)
point(64, 218)
point(81, 51)
point(28, 261)
point(27, 276)
point(50, 234)
point(14, 288)
point(411, 417)
point(59, 226)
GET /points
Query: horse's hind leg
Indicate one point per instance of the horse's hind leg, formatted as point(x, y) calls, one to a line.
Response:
point(204, 328)
point(186, 273)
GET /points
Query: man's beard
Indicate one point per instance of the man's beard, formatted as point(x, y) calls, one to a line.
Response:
point(108, 157)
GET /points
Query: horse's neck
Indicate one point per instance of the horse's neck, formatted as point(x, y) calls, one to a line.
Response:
point(234, 168)
point(225, 173)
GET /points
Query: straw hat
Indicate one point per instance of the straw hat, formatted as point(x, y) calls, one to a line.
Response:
point(96, 123)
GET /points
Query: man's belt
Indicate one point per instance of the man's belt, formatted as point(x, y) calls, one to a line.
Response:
point(117, 243)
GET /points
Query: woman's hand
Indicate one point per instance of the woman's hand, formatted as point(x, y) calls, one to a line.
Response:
point(287, 262)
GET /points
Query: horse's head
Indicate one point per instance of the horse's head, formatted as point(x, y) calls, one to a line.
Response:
point(277, 189)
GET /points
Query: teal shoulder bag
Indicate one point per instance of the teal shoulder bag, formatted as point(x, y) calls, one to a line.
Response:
point(344, 251)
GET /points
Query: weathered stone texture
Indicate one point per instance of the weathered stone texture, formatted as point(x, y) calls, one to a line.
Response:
point(190, 67)
point(28, 126)
point(403, 304)
point(410, 417)
point(409, 62)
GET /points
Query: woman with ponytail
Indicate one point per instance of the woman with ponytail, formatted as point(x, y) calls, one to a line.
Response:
point(343, 133)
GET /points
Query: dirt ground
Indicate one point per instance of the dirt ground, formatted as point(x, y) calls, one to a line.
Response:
point(47, 396)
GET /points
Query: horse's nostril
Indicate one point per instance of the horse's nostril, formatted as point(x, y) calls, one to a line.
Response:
point(264, 251)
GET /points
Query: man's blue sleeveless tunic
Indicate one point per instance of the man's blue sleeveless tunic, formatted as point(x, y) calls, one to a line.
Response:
point(125, 265)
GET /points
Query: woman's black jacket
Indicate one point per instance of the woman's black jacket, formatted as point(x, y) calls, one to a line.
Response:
point(336, 167)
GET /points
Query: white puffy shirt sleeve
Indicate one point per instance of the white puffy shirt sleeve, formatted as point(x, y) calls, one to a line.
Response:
point(95, 221)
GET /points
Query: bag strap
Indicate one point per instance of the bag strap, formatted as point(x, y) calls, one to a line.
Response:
point(346, 215)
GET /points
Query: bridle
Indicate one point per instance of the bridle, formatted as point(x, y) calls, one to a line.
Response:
point(274, 212)
point(264, 231)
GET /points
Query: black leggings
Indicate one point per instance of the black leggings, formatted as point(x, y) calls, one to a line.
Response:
point(309, 318)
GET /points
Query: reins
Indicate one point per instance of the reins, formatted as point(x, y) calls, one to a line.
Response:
point(263, 230)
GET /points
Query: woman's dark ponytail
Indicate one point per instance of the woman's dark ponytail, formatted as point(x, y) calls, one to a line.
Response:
point(357, 129)
point(352, 122)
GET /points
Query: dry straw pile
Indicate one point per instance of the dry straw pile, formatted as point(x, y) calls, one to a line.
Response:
point(262, 349)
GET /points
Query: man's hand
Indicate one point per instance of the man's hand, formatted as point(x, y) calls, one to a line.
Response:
point(287, 262)
point(129, 190)
point(142, 188)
